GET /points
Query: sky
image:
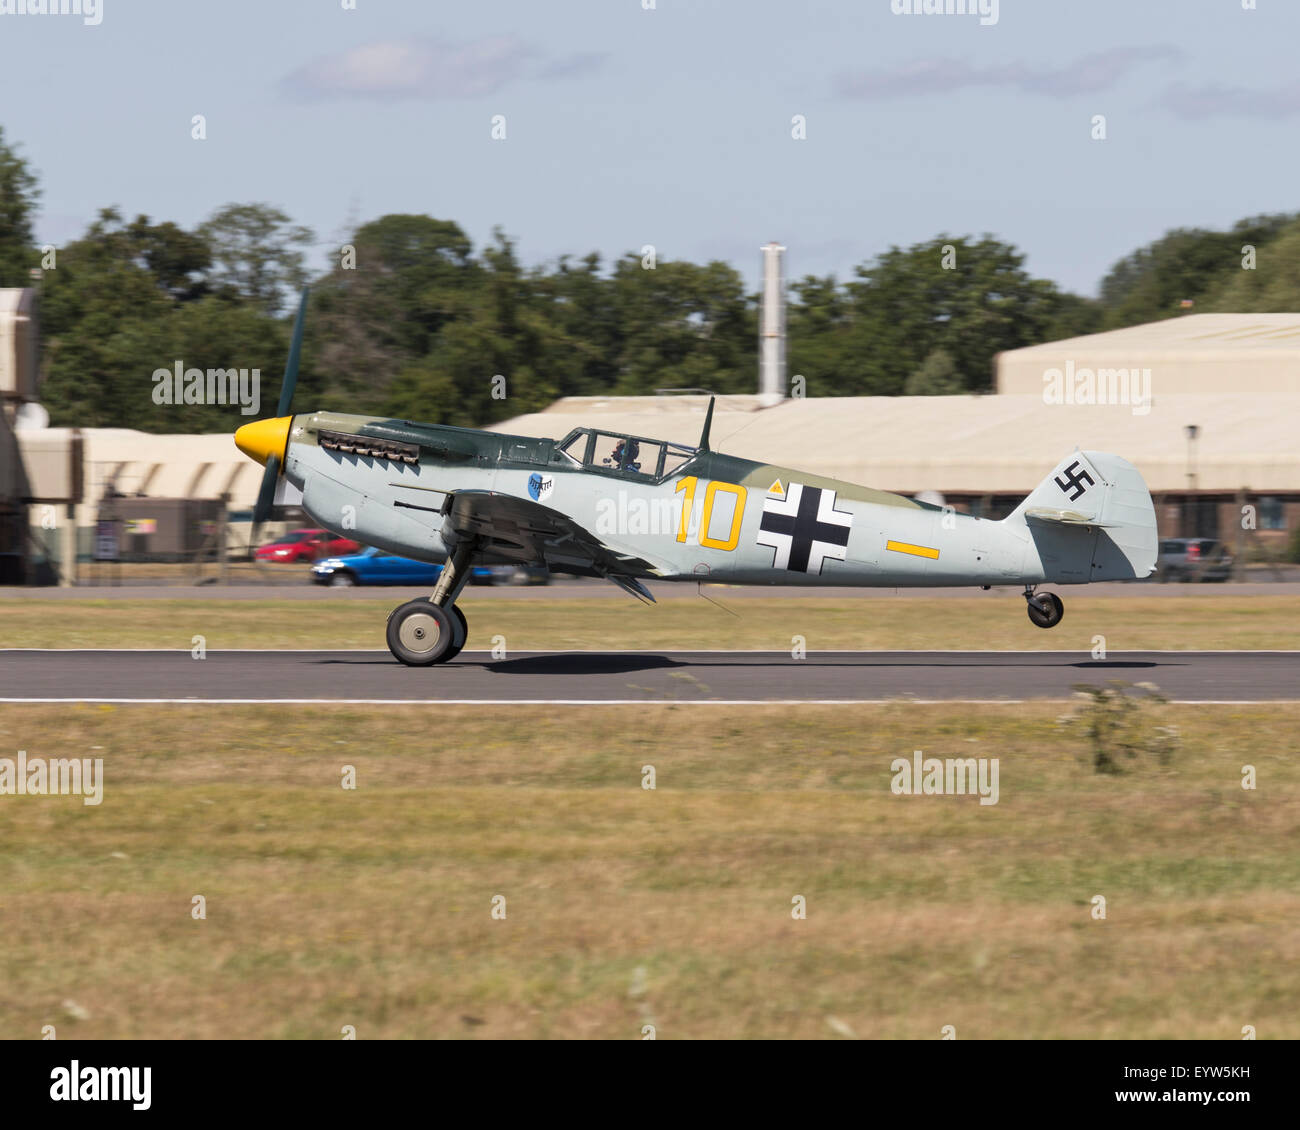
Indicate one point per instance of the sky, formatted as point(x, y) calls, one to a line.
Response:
point(670, 122)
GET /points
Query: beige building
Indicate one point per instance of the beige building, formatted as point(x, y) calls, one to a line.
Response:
point(1196, 354)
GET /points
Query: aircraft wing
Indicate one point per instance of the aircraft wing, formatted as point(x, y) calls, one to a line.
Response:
point(518, 529)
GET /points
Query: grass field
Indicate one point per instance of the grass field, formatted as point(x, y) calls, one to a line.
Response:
point(371, 907)
point(620, 623)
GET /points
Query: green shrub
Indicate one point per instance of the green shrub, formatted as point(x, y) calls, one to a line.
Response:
point(1115, 722)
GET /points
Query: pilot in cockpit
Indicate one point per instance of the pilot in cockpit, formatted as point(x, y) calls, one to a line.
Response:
point(633, 450)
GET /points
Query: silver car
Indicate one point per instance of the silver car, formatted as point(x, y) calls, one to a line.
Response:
point(1193, 559)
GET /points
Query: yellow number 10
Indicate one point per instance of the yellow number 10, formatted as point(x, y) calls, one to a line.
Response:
point(688, 485)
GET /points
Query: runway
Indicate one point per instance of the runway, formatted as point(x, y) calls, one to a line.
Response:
point(688, 677)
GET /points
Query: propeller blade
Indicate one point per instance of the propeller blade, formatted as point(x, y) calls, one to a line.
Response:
point(291, 366)
point(266, 493)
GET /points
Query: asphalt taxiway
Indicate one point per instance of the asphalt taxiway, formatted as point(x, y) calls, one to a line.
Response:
point(623, 677)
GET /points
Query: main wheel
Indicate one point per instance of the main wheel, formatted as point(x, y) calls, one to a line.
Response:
point(420, 633)
point(342, 580)
point(1045, 610)
point(460, 633)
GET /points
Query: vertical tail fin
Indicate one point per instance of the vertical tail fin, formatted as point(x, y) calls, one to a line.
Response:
point(1091, 519)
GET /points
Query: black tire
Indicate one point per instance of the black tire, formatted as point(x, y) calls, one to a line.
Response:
point(342, 580)
point(1045, 610)
point(420, 633)
point(460, 633)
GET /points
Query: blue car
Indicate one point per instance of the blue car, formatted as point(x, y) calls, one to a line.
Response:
point(375, 567)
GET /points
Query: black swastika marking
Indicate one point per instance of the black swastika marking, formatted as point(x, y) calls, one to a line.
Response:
point(1075, 478)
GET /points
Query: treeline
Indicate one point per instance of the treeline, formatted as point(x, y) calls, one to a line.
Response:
point(413, 320)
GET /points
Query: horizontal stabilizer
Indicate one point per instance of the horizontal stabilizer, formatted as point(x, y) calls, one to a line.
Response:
point(1063, 517)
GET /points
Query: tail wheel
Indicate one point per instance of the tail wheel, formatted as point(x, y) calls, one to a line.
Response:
point(420, 633)
point(1045, 609)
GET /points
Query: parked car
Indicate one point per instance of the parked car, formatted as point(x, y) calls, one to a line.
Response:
point(1193, 559)
point(305, 545)
point(376, 567)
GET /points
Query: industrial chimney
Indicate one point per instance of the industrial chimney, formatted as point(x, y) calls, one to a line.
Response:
point(771, 329)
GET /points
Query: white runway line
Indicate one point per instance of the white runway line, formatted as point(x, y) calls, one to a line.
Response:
point(612, 701)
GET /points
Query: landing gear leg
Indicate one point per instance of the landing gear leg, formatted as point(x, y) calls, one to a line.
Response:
point(1044, 611)
point(424, 632)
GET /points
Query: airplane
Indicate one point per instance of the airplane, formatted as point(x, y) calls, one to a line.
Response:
point(631, 508)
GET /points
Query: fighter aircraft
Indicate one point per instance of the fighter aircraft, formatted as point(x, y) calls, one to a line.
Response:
point(630, 508)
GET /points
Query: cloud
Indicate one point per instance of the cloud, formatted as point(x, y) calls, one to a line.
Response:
point(1232, 101)
point(432, 69)
point(1088, 75)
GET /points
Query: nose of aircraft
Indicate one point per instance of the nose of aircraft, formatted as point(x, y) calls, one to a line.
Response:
point(264, 438)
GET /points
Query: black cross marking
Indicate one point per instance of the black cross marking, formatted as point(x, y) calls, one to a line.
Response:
point(804, 529)
point(1075, 477)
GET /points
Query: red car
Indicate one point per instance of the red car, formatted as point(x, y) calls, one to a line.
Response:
point(306, 546)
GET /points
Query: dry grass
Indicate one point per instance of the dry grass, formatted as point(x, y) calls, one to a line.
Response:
point(1127, 623)
point(371, 907)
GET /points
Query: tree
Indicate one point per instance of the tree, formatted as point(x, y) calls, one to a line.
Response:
point(683, 326)
point(1272, 287)
point(404, 279)
point(937, 376)
point(122, 304)
point(177, 259)
point(19, 193)
point(818, 327)
point(579, 302)
point(256, 254)
point(1072, 316)
point(101, 311)
point(1184, 264)
point(503, 332)
point(971, 298)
